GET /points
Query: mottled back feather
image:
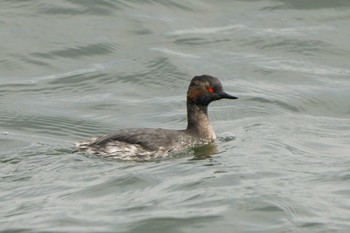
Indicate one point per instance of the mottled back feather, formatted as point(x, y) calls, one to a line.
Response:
point(148, 138)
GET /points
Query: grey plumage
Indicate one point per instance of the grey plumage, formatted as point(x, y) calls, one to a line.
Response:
point(148, 143)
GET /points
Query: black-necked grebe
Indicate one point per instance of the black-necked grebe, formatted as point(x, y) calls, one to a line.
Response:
point(148, 143)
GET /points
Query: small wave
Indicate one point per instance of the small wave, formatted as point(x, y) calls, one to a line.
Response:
point(208, 30)
point(173, 52)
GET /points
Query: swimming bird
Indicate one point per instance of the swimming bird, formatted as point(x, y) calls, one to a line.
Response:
point(153, 143)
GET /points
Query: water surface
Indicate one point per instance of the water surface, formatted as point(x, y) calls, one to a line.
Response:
point(74, 69)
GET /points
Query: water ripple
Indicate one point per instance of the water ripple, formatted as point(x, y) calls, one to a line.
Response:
point(76, 7)
point(80, 51)
point(74, 69)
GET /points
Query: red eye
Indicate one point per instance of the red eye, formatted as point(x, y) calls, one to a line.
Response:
point(210, 89)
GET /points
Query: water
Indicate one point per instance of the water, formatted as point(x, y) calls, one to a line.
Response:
point(74, 69)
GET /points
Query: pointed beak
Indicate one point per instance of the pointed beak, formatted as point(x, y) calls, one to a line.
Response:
point(224, 95)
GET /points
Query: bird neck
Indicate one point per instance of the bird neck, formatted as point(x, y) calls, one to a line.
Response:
point(198, 121)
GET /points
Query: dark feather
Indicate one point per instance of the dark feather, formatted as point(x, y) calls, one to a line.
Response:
point(148, 138)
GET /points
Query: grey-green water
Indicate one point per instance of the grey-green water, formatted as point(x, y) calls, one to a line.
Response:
point(74, 69)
